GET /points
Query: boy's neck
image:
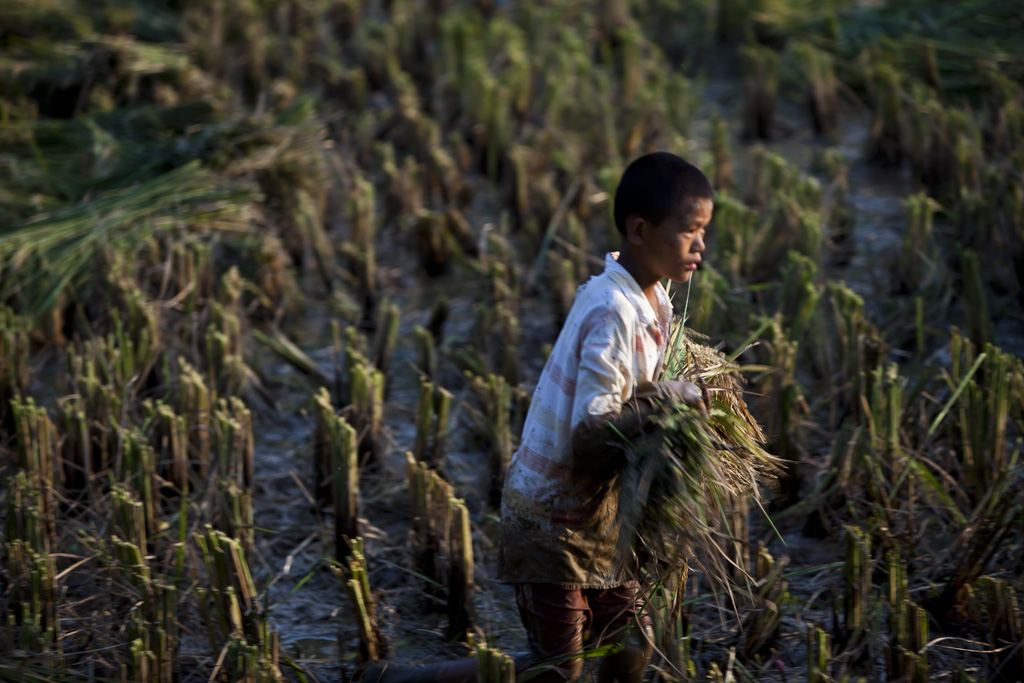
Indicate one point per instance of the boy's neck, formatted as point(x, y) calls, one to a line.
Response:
point(645, 280)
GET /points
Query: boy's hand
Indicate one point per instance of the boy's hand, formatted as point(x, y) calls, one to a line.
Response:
point(681, 391)
point(597, 442)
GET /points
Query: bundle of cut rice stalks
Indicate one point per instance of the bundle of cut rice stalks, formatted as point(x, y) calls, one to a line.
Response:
point(692, 471)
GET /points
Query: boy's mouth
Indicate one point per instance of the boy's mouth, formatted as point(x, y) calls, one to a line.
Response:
point(692, 266)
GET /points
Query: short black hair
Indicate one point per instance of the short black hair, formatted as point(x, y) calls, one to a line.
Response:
point(655, 185)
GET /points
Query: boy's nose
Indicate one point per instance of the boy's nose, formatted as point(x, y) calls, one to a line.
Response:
point(698, 242)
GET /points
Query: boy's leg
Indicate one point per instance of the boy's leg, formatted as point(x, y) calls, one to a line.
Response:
point(555, 618)
point(619, 614)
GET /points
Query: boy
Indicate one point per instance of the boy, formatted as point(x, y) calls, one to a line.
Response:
point(559, 520)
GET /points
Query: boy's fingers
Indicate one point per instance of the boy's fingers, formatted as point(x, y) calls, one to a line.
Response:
point(690, 394)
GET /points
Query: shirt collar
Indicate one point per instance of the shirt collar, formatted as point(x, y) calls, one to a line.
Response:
point(628, 285)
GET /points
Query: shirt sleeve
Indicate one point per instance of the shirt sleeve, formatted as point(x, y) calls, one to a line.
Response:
point(605, 372)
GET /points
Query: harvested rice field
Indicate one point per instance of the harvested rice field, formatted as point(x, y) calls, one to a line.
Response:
point(278, 279)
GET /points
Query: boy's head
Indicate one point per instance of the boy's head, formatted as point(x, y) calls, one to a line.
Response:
point(662, 207)
point(657, 184)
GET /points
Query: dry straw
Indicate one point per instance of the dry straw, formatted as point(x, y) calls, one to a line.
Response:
point(693, 473)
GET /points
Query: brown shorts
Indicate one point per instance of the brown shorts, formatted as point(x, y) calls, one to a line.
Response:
point(560, 621)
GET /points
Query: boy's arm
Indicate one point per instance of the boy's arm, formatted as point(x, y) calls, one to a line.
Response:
point(598, 440)
point(600, 418)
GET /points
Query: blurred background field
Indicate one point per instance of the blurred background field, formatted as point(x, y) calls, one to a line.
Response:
point(277, 278)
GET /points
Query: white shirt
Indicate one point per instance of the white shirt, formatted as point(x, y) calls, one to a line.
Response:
point(612, 340)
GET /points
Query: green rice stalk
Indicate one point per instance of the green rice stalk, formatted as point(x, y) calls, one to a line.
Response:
point(493, 666)
point(431, 423)
point(34, 620)
point(191, 273)
point(931, 146)
point(739, 238)
point(856, 596)
point(492, 421)
point(80, 461)
point(576, 242)
point(711, 307)
point(354, 578)
point(919, 259)
point(722, 176)
point(14, 361)
point(986, 405)
point(223, 345)
point(366, 387)
point(345, 481)
point(822, 96)
point(760, 66)
point(336, 472)
point(1005, 627)
point(139, 575)
point(169, 438)
point(839, 214)
point(562, 275)
point(253, 662)
point(886, 143)
point(232, 441)
point(25, 521)
point(799, 297)
point(899, 657)
point(386, 337)
point(129, 518)
point(427, 352)
point(883, 421)
point(979, 325)
point(792, 225)
point(519, 186)
point(232, 600)
point(196, 403)
point(433, 241)
point(672, 623)
point(758, 188)
point(98, 375)
point(770, 603)
point(859, 349)
point(404, 183)
point(907, 658)
point(819, 654)
point(235, 515)
point(994, 520)
point(508, 325)
point(142, 659)
point(32, 623)
point(461, 615)
point(787, 409)
point(445, 180)
point(138, 472)
point(432, 520)
point(462, 234)
point(37, 450)
point(438, 318)
point(681, 100)
point(362, 230)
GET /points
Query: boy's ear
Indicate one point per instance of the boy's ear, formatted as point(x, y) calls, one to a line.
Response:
point(636, 230)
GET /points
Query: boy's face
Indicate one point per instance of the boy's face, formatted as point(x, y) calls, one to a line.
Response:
point(673, 247)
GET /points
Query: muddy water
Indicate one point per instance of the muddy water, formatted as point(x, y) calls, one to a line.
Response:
point(308, 605)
